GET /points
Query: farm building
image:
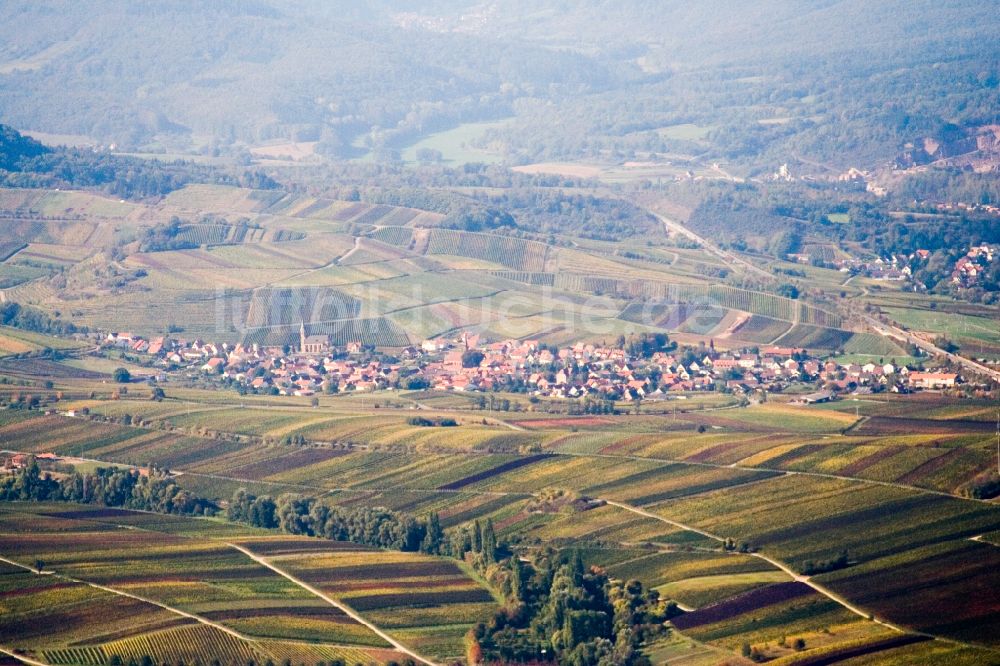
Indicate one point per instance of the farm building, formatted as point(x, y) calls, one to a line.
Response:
point(932, 380)
point(814, 398)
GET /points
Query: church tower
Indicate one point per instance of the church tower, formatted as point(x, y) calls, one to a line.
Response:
point(302, 337)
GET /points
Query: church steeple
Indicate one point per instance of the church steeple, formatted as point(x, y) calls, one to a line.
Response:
point(302, 336)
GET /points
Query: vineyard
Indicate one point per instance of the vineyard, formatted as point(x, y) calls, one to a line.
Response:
point(10, 248)
point(761, 304)
point(761, 329)
point(808, 336)
point(233, 234)
point(663, 315)
point(13, 275)
point(275, 316)
point(800, 484)
point(398, 236)
point(524, 277)
point(591, 283)
point(292, 306)
point(196, 643)
point(428, 602)
point(515, 253)
point(887, 531)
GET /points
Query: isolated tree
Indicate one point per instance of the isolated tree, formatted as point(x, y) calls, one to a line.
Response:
point(122, 376)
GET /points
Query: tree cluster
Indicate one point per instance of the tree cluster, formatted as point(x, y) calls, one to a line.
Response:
point(558, 610)
point(105, 486)
point(309, 516)
point(26, 163)
point(30, 319)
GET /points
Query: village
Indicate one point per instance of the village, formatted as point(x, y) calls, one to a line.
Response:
point(967, 271)
point(648, 370)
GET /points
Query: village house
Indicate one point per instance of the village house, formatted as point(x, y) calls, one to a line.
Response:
point(932, 380)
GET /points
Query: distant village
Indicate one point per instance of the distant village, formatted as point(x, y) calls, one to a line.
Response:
point(966, 272)
point(464, 364)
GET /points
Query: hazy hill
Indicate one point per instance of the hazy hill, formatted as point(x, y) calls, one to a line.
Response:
point(764, 80)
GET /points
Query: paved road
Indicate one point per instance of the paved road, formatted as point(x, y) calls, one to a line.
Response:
point(885, 330)
point(892, 331)
point(711, 247)
point(333, 602)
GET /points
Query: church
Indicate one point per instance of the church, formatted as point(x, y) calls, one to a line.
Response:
point(312, 344)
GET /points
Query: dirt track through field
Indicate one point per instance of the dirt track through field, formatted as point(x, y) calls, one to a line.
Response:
point(333, 602)
point(795, 576)
point(104, 588)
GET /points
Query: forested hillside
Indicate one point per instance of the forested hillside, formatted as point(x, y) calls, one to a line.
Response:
point(757, 84)
point(25, 162)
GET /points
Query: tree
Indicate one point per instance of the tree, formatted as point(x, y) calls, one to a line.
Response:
point(788, 291)
point(489, 542)
point(39, 565)
point(434, 537)
point(122, 376)
point(429, 155)
point(158, 394)
point(472, 358)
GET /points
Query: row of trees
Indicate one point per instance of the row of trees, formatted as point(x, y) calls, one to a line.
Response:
point(30, 319)
point(317, 517)
point(105, 486)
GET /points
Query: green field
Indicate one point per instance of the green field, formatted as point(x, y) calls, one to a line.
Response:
point(456, 146)
point(949, 324)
